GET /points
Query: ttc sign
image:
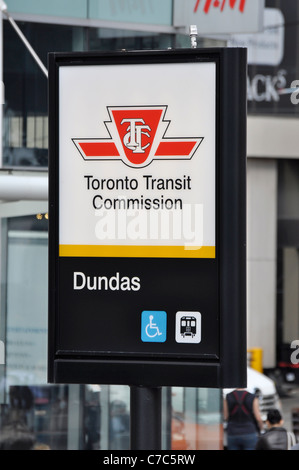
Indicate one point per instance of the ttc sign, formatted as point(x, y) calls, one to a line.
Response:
point(134, 138)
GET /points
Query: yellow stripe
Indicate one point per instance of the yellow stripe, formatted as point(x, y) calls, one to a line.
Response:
point(127, 251)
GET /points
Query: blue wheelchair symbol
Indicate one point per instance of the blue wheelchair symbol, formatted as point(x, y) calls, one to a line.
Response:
point(153, 326)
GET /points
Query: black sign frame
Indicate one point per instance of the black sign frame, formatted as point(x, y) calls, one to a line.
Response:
point(228, 367)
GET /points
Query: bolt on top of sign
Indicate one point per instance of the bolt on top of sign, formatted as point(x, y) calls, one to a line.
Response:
point(137, 170)
point(220, 16)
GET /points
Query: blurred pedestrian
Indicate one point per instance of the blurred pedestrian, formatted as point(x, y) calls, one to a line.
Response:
point(276, 436)
point(244, 422)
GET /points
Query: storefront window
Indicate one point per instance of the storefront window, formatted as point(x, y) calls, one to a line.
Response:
point(25, 120)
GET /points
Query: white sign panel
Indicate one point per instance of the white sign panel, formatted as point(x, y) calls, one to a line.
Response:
point(137, 166)
point(220, 16)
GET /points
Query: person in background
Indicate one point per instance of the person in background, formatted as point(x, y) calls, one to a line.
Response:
point(276, 436)
point(244, 422)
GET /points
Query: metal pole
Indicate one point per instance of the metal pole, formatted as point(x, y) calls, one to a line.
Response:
point(145, 411)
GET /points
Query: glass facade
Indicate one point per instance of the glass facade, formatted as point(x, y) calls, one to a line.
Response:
point(93, 417)
point(74, 417)
point(270, 78)
point(32, 412)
